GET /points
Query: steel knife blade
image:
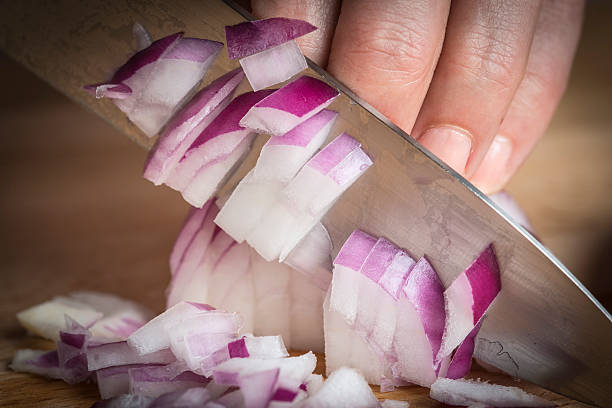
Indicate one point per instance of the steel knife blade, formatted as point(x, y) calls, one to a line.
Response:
point(545, 327)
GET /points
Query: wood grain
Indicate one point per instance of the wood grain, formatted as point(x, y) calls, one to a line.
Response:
point(76, 215)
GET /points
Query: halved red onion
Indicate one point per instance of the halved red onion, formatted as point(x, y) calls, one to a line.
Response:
point(160, 77)
point(41, 362)
point(308, 196)
point(344, 388)
point(188, 123)
point(114, 381)
point(461, 362)
point(142, 36)
point(125, 401)
point(280, 159)
point(251, 37)
point(312, 257)
point(274, 65)
point(214, 152)
point(507, 203)
point(117, 354)
point(153, 381)
point(289, 106)
point(469, 392)
point(468, 298)
point(419, 330)
point(154, 335)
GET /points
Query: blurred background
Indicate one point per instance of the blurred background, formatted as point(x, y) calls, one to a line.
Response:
point(76, 213)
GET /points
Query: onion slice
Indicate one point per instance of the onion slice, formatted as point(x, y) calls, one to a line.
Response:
point(188, 123)
point(468, 298)
point(470, 392)
point(289, 106)
point(159, 78)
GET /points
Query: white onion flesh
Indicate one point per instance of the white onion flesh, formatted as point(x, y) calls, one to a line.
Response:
point(274, 65)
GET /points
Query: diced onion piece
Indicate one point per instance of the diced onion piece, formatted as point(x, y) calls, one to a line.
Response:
point(292, 369)
point(468, 298)
point(468, 392)
point(153, 381)
point(344, 388)
point(289, 106)
point(160, 78)
point(48, 318)
point(233, 399)
point(274, 65)
point(258, 387)
point(251, 37)
point(461, 362)
point(190, 398)
point(154, 336)
point(41, 362)
point(191, 226)
point(114, 381)
point(117, 354)
point(188, 123)
point(280, 159)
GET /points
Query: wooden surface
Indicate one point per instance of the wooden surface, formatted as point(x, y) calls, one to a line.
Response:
point(75, 213)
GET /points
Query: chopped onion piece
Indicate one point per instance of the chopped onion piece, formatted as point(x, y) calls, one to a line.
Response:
point(461, 362)
point(117, 354)
point(274, 65)
point(258, 387)
point(251, 37)
point(191, 226)
point(41, 362)
point(280, 159)
point(344, 388)
point(232, 399)
point(114, 381)
point(154, 335)
point(160, 77)
point(468, 298)
point(289, 106)
point(153, 381)
point(468, 392)
point(188, 123)
point(190, 398)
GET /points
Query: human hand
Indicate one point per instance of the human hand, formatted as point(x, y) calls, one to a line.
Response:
point(474, 81)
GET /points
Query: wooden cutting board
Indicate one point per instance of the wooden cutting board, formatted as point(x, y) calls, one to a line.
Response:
point(75, 213)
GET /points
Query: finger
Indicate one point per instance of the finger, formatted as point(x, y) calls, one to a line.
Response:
point(481, 65)
point(321, 13)
point(552, 51)
point(386, 50)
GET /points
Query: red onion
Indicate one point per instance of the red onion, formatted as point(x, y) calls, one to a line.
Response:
point(467, 299)
point(41, 362)
point(188, 123)
point(114, 381)
point(153, 381)
point(154, 82)
point(251, 37)
point(279, 161)
point(118, 354)
point(344, 388)
point(469, 392)
point(312, 257)
point(214, 152)
point(289, 106)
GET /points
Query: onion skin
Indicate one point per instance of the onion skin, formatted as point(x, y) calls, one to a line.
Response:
point(251, 37)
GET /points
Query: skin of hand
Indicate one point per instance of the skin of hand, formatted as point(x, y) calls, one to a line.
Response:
point(474, 81)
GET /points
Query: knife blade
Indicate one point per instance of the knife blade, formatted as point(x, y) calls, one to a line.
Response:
point(545, 326)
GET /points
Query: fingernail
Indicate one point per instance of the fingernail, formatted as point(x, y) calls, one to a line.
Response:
point(451, 145)
point(491, 175)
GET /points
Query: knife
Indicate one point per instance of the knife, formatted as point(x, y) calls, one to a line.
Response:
point(545, 326)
